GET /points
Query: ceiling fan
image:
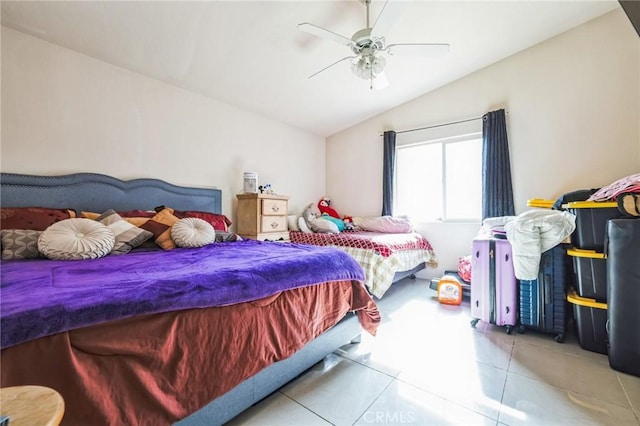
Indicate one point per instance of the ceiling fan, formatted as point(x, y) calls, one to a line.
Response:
point(368, 45)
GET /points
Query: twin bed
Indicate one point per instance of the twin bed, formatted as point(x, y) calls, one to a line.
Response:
point(385, 257)
point(187, 336)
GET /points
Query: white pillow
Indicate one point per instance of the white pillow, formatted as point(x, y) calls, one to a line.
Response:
point(193, 232)
point(302, 225)
point(76, 239)
point(292, 222)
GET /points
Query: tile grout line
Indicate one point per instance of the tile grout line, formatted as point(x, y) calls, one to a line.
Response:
point(306, 408)
point(374, 400)
point(368, 366)
point(626, 394)
point(506, 377)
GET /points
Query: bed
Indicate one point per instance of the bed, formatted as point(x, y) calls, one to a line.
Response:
point(187, 336)
point(385, 257)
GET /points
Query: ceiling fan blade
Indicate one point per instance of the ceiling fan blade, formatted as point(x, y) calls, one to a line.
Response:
point(431, 50)
point(335, 63)
point(321, 32)
point(381, 81)
point(391, 10)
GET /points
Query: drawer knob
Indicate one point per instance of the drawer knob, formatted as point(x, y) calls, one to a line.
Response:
point(274, 225)
point(275, 208)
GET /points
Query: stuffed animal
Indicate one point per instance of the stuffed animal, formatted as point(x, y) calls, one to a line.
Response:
point(311, 221)
point(325, 207)
point(339, 222)
point(348, 223)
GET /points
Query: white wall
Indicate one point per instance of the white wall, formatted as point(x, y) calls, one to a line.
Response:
point(573, 122)
point(64, 112)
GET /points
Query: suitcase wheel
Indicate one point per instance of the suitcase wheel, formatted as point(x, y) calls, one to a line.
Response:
point(559, 338)
point(509, 328)
point(474, 322)
point(522, 329)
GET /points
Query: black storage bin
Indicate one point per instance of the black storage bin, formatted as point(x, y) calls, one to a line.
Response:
point(591, 223)
point(591, 322)
point(623, 275)
point(590, 269)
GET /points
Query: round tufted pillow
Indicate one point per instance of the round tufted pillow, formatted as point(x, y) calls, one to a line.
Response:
point(76, 239)
point(192, 232)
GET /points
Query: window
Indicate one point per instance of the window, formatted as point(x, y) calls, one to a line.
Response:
point(440, 179)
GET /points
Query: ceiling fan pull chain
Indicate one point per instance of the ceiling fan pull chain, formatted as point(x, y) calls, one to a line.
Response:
point(371, 78)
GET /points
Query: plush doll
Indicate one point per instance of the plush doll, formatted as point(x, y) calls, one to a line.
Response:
point(325, 207)
point(311, 221)
point(348, 223)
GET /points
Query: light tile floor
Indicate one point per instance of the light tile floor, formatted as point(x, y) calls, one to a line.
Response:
point(427, 366)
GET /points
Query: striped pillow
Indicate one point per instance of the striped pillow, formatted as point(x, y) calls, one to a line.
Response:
point(127, 235)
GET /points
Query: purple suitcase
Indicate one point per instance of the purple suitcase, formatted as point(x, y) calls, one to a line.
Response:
point(494, 290)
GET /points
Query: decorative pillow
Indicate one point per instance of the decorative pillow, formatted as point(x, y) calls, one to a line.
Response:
point(20, 244)
point(219, 221)
point(34, 218)
point(160, 225)
point(388, 224)
point(127, 235)
point(129, 214)
point(193, 232)
point(136, 221)
point(75, 239)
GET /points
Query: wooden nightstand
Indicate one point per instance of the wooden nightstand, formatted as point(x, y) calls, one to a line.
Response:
point(262, 217)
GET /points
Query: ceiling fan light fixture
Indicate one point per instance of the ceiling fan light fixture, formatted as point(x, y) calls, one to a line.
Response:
point(378, 64)
point(367, 67)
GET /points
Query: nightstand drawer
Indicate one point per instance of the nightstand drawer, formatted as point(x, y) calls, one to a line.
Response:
point(274, 207)
point(274, 224)
point(262, 216)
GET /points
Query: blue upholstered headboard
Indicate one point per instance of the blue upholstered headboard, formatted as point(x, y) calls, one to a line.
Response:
point(97, 193)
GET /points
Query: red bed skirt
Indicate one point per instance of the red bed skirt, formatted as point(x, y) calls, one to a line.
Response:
point(156, 369)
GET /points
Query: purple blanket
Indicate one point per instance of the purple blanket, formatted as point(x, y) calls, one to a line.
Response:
point(44, 297)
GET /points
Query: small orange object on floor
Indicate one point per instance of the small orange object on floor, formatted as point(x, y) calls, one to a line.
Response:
point(449, 291)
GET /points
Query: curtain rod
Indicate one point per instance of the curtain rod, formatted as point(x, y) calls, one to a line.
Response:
point(436, 125)
point(440, 125)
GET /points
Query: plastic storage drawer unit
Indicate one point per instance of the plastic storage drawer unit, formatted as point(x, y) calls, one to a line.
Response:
point(591, 222)
point(591, 273)
point(591, 322)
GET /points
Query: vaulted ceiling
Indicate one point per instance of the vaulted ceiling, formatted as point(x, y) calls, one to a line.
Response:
point(250, 54)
